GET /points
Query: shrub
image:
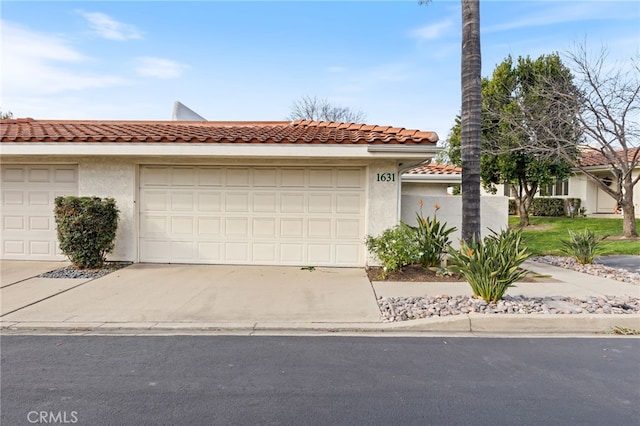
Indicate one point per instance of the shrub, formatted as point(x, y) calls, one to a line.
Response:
point(432, 239)
point(86, 229)
point(513, 208)
point(554, 207)
point(395, 247)
point(492, 265)
point(583, 246)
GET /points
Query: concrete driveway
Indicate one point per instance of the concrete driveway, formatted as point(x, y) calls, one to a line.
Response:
point(195, 293)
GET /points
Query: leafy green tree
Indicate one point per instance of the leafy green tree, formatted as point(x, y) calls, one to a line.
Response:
point(516, 115)
point(5, 115)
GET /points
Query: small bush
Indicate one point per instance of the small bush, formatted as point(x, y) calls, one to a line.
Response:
point(432, 239)
point(554, 207)
point(583, 246)
point(492, 265)
point(513, 208)
point(86, 229)
point(395, 247)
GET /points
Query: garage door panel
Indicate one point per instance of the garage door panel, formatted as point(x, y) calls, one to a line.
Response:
point(265, 252)
point(319, 253)
point(153, 200)
point(292, 203)
point(265, 227)
point(292, 228)
point(237, 252)
point(63, 175)
point(237, 202)
point(265, 202)
point(183, 176)
point(265, 178)
point(209, 227)
point(237, 227)
point(27, 218)
point(238, 177)
point(245, 215)
point(151, 225)
point(39, 174)
point(182, 226)
point(209, 251)
point(348, 203)
point(320, 203)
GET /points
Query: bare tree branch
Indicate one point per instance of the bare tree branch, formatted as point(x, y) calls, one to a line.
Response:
point(313, 108)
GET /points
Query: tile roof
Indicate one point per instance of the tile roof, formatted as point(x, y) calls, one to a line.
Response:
point(435, 169)
point(593, 158)
point(261, 132)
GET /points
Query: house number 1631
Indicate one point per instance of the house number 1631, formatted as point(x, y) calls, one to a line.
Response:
point(385, 177)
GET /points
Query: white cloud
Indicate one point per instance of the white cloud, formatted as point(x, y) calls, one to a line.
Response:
point(148, 66)
point(550, 13)
point(107, 27)
point(433, 31)
point(39, 63)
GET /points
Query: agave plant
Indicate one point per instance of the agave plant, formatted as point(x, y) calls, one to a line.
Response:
point(492, 265)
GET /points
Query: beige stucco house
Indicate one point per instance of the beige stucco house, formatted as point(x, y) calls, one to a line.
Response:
point(579, 185)
point(267, 193)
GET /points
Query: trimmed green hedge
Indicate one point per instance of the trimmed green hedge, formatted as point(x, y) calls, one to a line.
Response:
point(86, 229)
point(549, 206)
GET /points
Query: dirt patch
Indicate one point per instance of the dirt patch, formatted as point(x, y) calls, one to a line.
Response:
point(411, 273)
point(416, 273)
point(621, 238)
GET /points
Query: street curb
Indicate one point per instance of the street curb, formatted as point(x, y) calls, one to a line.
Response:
point(470, 323)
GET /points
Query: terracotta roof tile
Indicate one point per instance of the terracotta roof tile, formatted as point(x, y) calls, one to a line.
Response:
point(269, 132)
point(593, 158)
point(435, 169)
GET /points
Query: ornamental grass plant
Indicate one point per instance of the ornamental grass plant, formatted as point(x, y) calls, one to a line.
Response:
point(432, 238)
point(583, 246)
point(492, 265)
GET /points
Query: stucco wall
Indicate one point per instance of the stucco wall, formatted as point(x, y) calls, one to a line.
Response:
point(383, 198)
point(494, 212)
point(115, 179)
point(420, 188)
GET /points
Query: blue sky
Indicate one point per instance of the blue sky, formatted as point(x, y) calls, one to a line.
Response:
point(396, 61)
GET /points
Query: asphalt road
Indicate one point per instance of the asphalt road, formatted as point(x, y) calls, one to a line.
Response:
point(194, 380)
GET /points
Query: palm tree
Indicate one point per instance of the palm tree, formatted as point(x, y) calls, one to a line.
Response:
point(471, 116)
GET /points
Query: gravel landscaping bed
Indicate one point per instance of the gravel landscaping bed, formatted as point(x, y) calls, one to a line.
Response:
point(71, 272)
point(592, 269)
point(408, 308)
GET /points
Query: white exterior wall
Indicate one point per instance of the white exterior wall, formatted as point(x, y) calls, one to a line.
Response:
point(117, 177)
point(112, 178)
point(420, 188)
point(494, 211)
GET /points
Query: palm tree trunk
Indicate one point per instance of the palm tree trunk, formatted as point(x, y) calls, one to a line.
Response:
point(471, 119)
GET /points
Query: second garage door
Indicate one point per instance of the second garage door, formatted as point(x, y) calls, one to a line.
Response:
point(252, 215)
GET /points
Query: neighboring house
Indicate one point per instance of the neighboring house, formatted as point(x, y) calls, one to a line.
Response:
point(265, 193)
point(594, 199)
point(431, 184)
point(579, 185)
point(431, 179)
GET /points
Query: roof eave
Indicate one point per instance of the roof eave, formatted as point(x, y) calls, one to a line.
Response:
point(217, 150)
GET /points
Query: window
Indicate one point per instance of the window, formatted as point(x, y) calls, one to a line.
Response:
point(559, 188)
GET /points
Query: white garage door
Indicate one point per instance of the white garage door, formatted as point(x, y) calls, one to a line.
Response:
point(252, 215)
point(28, 223)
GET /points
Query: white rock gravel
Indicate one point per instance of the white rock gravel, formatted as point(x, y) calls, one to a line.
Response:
point(408, 308)
point(591, 269)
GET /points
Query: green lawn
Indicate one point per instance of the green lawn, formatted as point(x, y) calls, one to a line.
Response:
point(545, 234)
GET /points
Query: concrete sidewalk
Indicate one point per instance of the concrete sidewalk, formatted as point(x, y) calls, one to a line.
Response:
point(145, 298)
